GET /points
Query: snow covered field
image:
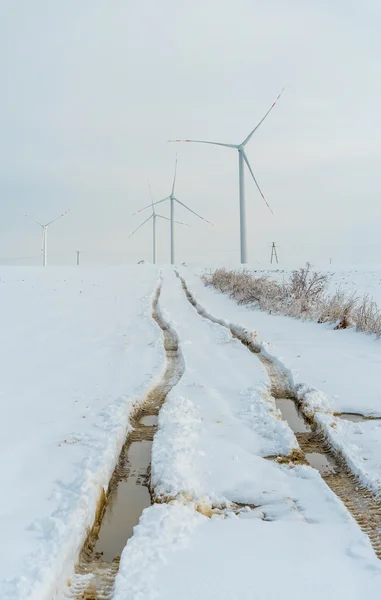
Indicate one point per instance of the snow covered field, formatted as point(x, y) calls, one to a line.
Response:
point(214, 430)
point(177, 552)
point(362, 281)
point(335, 371)
point(218, 418)
point(80, 349)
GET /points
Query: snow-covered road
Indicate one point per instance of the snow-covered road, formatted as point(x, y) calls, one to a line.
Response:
point(80, 349)
point(215, 429)
point(333, 371)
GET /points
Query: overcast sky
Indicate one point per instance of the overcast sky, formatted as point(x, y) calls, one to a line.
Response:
point(92, 89)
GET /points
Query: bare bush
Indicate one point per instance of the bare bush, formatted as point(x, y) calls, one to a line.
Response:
point(307, 284)
point(340, 309)
point(246, 289)
point(368, 317)
point(221, 279)
point(303, 296)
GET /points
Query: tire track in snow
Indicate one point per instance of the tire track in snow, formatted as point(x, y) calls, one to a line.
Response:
point(94, 577)
point(362, 504)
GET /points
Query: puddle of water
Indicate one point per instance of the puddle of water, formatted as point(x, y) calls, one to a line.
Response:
point(355, 417)
point(362, 505)
point(291, 415)
point(149, 420)
point(323, 463)
point(126, 504)
point(352, 417)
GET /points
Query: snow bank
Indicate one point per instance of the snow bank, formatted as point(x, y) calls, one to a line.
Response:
point(333, 371)
point(360, 445)
point(219, 418)
point(215, 428)
point(340, 364)
point(177, 553)
point(78, 349)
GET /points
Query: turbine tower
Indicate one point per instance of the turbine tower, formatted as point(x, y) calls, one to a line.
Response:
point(172, 200)
point(242, 158)
point(152, 216)
point(44, 249)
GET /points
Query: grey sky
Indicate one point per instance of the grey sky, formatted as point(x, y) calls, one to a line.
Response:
point(91, 91)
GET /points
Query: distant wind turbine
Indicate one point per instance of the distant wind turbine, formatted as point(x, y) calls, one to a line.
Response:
point(44, 248)
point(172, 199)
point(242, 157)
point(152, 216)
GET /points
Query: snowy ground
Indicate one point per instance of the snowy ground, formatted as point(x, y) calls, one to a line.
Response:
point(78, 349)
point(219, 418)
point(335, 371)
point(216, 427)
point(178, 553)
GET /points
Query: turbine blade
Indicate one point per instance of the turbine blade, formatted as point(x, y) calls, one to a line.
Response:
point(60, 217)
point(204, 142)
point(33, 220)
point(192, 211)
point(148, 206)
point(141, 225)
point(255, 181)
point(167, 219)
point(152, 203)
point(261, 121)
point(174, 178)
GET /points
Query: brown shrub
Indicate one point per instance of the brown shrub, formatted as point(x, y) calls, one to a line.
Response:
point(303, 296)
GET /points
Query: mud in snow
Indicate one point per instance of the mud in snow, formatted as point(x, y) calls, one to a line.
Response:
point(355, 417)
point(316, 451)
point(128, 492)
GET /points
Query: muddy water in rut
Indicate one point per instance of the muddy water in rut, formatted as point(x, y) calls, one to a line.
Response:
point(128, 492)
point(316, 451)
point(149, 420)
point(126, 503)
point(291, 414)
point(355, 417)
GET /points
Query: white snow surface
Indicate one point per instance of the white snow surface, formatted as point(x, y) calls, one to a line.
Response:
point(359, 443)
point(219, 418)
point(297, 539)
point(333, 371)
point(344, 365)
point(78, 349)
point(177, 553)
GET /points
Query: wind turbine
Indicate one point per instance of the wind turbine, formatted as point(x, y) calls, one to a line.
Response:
point(172, 200)
point(44, 249)
point(242, 157)
point(152, 216)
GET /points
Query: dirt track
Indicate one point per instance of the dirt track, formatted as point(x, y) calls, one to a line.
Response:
point(94, 573)
point(316, 451)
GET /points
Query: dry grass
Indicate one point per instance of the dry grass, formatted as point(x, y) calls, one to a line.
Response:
point(368, 317)
point(303, 296)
